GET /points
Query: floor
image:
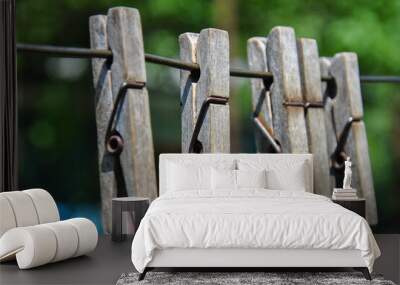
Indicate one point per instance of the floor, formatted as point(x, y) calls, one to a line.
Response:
point(110, 260)
point(103, 266)
point(389, 262)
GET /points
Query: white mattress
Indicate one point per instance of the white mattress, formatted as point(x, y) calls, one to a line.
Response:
point(252, 219)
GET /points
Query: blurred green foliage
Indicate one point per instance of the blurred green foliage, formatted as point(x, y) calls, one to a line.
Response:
point(56, 110)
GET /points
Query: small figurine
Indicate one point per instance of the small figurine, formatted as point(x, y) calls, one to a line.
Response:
point(347, 174)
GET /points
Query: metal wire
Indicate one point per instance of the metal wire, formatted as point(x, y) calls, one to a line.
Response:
point(379, 79)
point(195, 145)
point(176, 63)
point(90, 53)
point(65, 51)
point(236, 72)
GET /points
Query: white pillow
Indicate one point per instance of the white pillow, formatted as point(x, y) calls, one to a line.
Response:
point(223, 179)
point(226, 179)
point(290, 173)
point(251, 178)
point(292, 179)
point(188, 177)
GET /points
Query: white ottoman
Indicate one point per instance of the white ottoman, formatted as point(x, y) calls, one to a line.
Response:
point(31, 232)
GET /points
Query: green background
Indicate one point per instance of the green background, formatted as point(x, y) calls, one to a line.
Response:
point(56, 99)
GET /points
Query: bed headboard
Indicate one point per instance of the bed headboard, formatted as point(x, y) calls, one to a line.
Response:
point(215, 158)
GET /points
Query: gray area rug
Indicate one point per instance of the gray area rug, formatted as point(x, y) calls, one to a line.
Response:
point(225, 278)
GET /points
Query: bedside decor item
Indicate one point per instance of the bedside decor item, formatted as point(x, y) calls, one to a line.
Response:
point(345, 193)
point(347, 174)
point(127, 212)
point(31, 231)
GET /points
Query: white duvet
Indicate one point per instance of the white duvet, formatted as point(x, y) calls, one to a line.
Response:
point(254, 218)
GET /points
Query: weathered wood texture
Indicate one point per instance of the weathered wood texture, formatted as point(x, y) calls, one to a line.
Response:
point(125, 39)
point(261, 100)
point(103, 108)
point(348, 103)
point(188, 44)
point(212, 55)
point(288, 121)
point(327, 94)
point(213, 58)
point(315, 117)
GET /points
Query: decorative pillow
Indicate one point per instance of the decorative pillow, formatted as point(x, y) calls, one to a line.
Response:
point(223, 179)
point(284, 171)
point(292, 179)
point(251, 178)
point(184, 177)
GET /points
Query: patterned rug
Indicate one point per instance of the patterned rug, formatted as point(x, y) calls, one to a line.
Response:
point(243, 278)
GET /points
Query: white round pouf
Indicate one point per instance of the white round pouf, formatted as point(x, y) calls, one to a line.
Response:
point(7, 218)
point(67, 239)
point(45, 205)
point(40, 244)
point(87, 234)
point(30, 230)
point(33, 246)
point(23, 208)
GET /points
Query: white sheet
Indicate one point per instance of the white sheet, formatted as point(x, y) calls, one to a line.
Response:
point(253, 218)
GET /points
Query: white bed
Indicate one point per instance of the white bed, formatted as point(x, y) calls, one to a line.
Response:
point(223, 225)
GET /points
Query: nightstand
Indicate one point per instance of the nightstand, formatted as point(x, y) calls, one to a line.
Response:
point(127, 212)
point(355, 205)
